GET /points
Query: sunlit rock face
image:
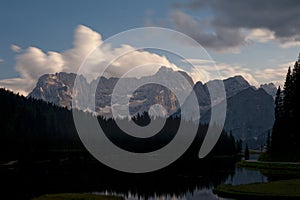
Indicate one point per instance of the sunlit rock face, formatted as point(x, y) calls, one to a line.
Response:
point(249, 116)
point(96, 95)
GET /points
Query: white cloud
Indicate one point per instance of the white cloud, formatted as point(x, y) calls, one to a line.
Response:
point(85, 40)
point(32, 62)
point(209, 70)
point(255, 76)
point(275, 75)
point(14, 84)
point(289, 42)
point(288, 64)
point(260, 35)
point(263, 35)
point(1, 60)
point(15, 48)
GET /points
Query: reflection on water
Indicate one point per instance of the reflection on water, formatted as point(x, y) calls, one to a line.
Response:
point(180, 181)
point(203, 194)
point(245, 176)
point(241, 176)
point(237, 177)
point(254, 156)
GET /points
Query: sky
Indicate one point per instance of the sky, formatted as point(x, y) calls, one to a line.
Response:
point(256, 39)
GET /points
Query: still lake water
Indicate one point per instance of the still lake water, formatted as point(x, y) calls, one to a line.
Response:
point(28, 183)
point(240, 176)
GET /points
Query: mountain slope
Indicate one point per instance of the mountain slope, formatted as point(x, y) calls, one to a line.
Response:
point(270, 88)
point(250, 111)
point(249, 116)
point(57, 88)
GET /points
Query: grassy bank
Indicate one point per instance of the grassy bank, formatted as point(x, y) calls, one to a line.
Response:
point(285, 189)
point(69, 196)
point(282, 189)
point(293, 157)
point(275, 170)
point(270, 165)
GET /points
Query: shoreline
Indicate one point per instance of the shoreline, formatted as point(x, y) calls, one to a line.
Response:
point(287, 185)
point(284, 189)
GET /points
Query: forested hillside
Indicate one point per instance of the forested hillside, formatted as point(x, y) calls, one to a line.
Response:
point(33, 130)
point(286, 130)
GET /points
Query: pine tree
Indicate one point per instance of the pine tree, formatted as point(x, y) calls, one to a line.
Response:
point(278, 104)
point(269, 142)
point(286, 131)
point(296, 107)
point(288, 94)
point(239, 144)
point(295, 98)
point(247, 153)
point(277, 133)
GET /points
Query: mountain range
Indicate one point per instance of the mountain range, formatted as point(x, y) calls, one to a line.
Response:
point(249, 116)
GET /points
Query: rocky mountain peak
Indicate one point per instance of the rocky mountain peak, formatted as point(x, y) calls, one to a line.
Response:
point(241, 97)
point(235, 84)
point(270, 88)
point(56, 88)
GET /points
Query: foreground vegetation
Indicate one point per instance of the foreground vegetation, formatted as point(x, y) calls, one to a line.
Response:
point(69, 196)
point(274, 170)
point(284, 189)
point(285, 139)
point(270, 165)
point(279, 157)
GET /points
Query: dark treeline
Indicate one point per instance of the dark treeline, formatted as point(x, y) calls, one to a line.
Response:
point(35, 130)
point(30, 126)
point(285, 143)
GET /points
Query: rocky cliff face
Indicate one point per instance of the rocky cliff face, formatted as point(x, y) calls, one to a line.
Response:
point(250, 111)
point(232, 86)
point(57, 88)
point(270, 88)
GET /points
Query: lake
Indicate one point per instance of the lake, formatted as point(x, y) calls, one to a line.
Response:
point(180, 181)
point(241, 176)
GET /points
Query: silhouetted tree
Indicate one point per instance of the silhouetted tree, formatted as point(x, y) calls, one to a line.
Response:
point(33, 129)
point(277, 133)
point(285, 140)
point(247, 153)
point(278, 104)
point(239, 146)
point(269, 142)
point(288, 94)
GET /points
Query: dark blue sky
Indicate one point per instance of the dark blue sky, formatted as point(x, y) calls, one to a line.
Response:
point(50, 24)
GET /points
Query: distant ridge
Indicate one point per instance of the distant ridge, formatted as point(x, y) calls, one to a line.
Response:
point(247, 107)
